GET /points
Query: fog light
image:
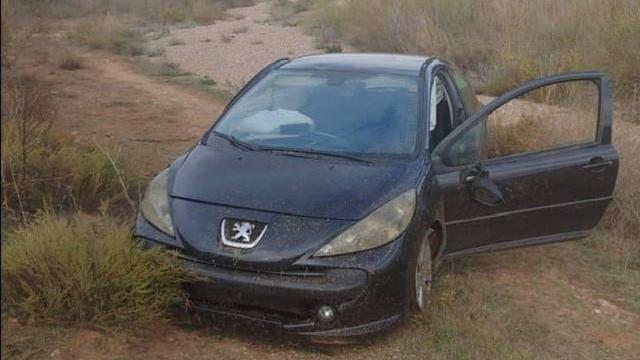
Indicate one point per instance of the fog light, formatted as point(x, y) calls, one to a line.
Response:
point(326, 313)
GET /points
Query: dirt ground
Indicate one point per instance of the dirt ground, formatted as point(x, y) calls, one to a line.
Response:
point(107, 101)
point(231, 52)
point(529, 303)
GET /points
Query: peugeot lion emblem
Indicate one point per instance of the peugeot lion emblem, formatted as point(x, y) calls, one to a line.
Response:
point(243, 234)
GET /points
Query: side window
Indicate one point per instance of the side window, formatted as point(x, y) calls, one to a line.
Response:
point(546, 118)
point(440, 113)
point(468, 95)
point(467, 148)
point(543, 119)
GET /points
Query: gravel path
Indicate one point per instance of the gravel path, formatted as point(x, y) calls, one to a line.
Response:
point(231, 52)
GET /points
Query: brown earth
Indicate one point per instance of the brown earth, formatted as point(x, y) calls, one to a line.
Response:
point(109, 101)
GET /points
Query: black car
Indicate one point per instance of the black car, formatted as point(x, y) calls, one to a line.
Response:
point(323, 199)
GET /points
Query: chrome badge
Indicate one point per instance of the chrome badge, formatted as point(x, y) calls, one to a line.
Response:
point(243, 234)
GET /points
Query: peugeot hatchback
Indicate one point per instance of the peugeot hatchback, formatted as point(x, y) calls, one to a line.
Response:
point(323, 199)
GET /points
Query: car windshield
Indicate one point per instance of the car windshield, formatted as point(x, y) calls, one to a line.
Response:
point(332, 112)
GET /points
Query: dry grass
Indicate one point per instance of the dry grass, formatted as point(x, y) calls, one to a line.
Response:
point(70, 61)
point(545, 118)
point(240, 30)
point(285, 11)
point(44, 167)
point(86, 270)
point(175, 42)
point(504, 42)
point(116, 34)
point(164, 11)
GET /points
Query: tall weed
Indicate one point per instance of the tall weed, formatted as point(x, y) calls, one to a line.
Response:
point(87, 270)
point(505, 42)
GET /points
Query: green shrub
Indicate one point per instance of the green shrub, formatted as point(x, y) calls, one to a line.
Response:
point(44, 167)
point(87, 270)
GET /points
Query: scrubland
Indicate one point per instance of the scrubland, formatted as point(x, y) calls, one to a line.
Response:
point(68, 259)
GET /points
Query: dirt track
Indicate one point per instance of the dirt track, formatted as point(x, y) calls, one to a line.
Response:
point(110, 102)
point(232, 51)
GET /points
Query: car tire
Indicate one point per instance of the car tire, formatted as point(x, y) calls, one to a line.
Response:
point(422, 276)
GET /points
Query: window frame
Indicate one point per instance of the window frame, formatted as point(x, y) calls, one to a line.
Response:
point(603, 126)
point(458, 111)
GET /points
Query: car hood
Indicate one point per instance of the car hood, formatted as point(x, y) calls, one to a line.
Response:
point(221, 174)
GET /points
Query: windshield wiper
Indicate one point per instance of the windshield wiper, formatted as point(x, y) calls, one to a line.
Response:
point(312, 152)
point(234, 141)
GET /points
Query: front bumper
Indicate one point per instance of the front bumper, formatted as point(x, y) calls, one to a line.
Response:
point(367, 291)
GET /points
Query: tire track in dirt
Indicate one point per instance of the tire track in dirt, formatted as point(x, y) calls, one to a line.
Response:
point(109, 102)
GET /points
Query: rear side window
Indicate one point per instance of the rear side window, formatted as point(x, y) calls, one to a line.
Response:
point(469, 100)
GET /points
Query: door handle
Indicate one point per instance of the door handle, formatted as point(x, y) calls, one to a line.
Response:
point(597, 164)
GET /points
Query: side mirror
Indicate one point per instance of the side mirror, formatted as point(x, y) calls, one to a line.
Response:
point(485, 191)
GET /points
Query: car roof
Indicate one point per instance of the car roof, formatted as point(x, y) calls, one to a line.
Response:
point(378, 63)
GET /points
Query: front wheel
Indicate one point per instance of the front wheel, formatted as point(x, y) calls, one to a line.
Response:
point(423, 273)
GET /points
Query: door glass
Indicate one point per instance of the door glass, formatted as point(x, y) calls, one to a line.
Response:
point(440, 113)
point(467, 148)
point(548, 117)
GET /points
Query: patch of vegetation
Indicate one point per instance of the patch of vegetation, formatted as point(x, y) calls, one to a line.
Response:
point(226, 38)
point(26, 342)
point(70, 61)
point(175, 42)
point(332, 48)
point(284, 11)
point(45, 167)
point(207, 81)
point(520, 42)
point(154, 32)
point(109, 33)
point(154, 51)
point(240, 30)
point(172, 72)
point(86, 270)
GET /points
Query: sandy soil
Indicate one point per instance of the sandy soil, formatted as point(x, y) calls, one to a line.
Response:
point(231, 52)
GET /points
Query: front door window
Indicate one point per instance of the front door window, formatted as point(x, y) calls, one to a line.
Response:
point(440, 113)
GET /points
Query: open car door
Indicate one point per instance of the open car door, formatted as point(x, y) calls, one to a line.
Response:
point(534, 166)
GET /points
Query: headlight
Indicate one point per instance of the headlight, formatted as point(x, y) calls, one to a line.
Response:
point(155, 204)
point(380, 227)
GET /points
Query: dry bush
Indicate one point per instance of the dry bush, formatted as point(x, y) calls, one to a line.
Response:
point(158, 11)
point(111, 33)
point(284, 11)
point(240, 30)
point(44, 167)
point(505, 42)
point(70, 61)
point(175, 42)
point(86, 270)
point(622, 221)
point(515, 137)
point(25, 97)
